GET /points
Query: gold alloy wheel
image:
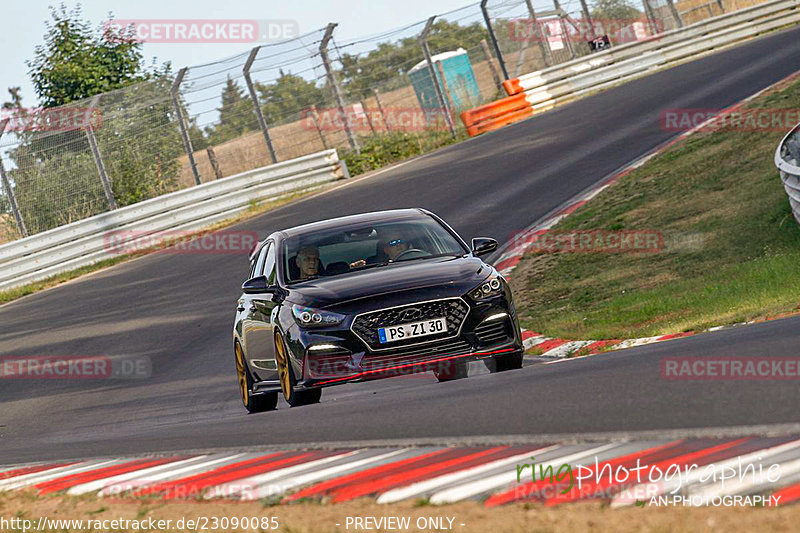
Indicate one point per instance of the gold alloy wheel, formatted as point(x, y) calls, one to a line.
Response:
point(241, 373)
point(283, 367)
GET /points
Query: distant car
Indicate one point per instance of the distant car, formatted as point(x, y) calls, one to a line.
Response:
point(364, 297)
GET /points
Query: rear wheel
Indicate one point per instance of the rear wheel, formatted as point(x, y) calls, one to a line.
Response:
point(508, 361)
point(451, 370)
point(253, 403)
point(286, 375)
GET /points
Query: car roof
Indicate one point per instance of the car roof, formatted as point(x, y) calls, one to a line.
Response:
point(394, 215)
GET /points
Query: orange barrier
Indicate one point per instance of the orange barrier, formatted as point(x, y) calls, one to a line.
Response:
point(496, 114)
point(512, 86)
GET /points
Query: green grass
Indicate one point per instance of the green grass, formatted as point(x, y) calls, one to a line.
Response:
point(731, 246)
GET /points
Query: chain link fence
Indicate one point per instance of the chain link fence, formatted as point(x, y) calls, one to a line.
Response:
point(382, 96)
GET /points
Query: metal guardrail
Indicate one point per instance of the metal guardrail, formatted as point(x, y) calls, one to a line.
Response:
point(787, 159)
point(82, 243)
point(548, 87)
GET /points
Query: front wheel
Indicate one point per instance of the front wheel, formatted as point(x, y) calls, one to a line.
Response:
point(286, 375)
point(253, 403)
point(508, 361)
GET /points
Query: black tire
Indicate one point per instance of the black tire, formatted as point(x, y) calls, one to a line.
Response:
point(508, 361)
point(293, 397)
point(253, 403)
point(451, 371)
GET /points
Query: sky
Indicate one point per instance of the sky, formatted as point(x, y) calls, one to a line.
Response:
point(25, 25)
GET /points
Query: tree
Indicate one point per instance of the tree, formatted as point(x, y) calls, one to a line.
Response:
point(615, 10)
point(236, 115)
point(288, 95)
point(76, 62)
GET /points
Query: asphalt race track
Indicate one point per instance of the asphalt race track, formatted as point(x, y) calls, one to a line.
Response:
point(178, 309)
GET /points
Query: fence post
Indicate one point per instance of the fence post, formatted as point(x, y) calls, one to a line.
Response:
point(12, 201)
point(651, 17)
point(254, 97)
point(540, 37)
point(567, 40)
point(337, 93)
point(675, 14)
point(366, 114)
point(380, 108)
point(495, 75)
point(212, 158)
point(98, 160)
point(721, 6)
point(187, 142)
point(315, 118)
point(492, 36)
point(434, 78)
point(587, 16)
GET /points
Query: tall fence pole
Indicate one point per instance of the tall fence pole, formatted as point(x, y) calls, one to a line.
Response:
point(12, 201)
point(434, 78)
point(380, 109)
point(488, 21)
point(675, 14)
point(587, 16)
point(567, 40)
point(254, 97)
point(651, 17)
point(490, 62)
point(337, 93)
point(187, 142)
point(540, 37)
point(98, 160)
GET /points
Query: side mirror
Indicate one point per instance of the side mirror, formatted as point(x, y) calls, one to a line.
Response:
point(257, 285)
point(483, 245)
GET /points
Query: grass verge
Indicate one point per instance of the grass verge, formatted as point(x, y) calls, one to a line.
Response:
point(730, 253)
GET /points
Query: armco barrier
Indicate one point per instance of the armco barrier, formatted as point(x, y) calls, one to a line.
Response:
point(496, 114)
point(787, 159)
point(566, 81)
point(82, 243)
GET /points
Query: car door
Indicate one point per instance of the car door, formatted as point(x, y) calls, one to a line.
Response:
point(259, 318)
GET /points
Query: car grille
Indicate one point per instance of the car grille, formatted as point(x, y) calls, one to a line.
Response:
point(493, 332)
point(366, 326)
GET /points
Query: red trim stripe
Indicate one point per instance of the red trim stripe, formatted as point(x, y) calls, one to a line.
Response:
point(676, 335)
point(597, 346)
point(31, 470)
point(93, 475)
point(790, 494)
point(406, 477)
point(324, 488)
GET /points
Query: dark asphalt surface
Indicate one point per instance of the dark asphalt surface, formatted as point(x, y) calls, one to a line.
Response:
point(178, 310)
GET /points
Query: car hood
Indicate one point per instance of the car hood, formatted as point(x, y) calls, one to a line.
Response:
point(454, 275)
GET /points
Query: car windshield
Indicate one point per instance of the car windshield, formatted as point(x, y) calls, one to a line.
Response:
point(362, 246)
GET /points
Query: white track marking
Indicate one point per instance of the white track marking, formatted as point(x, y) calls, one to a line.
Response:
point(480, 486)
point(421, 487)
point(171, 473)
point(746, 485)
point(99, 484)
point(694, 475)
point(565, 349)
point(288, 484)
point(15, 483)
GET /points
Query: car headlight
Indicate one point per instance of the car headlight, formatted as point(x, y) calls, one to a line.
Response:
point(309, 317)
point(489, 288)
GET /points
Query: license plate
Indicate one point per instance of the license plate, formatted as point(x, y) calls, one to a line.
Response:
point(411, 330)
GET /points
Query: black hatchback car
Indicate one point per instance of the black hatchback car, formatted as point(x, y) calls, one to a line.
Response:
point(368, 296)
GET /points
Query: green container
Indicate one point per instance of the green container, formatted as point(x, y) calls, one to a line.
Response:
point(459, 81)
